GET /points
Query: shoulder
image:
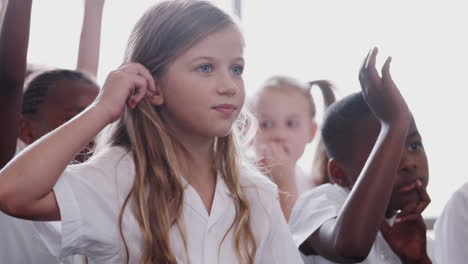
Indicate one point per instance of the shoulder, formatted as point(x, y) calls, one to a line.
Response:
point(315, 207)
point(330, 192)
point(112, 160)
point(108, 171)
point(456, 205)
point(461, 194)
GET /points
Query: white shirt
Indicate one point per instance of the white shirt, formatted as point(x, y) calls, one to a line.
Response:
point(19, 242)
point(451, 229)
point(321, 204)
point(303, 180)
point(90, 197)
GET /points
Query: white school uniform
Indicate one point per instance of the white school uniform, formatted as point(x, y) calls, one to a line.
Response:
point(451, 229)
point(90, 197)
point(19, 242)
point(303, 181)
point(321, 204)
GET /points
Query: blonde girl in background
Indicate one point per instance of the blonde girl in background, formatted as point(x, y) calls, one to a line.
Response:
point(286, 114)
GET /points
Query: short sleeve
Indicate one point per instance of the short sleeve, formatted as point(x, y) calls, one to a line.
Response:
point(451, 230)
point(87, 196)
point(62, 238)
point(313, 208)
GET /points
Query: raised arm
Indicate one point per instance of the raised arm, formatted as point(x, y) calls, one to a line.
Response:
point(349, 237)
point(90, 40)
point(14, 37)
point(26, 183)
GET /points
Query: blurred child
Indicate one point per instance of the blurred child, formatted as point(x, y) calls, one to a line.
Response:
point(52, 98)
point(451, 230)
point(286, 113)
point(379, 172)
point(49, 100)
point(171, 185)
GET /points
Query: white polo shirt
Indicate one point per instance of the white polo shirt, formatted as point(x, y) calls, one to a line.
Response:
point(19, 242)
point(451, 229)
point(321, 204)
point(90, 197)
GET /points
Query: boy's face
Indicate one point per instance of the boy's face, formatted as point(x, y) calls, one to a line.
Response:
point(413, 164)
point(285, 119)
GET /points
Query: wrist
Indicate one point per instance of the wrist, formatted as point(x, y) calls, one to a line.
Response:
point(101, 113)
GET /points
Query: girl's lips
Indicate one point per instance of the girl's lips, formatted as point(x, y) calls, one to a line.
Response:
point(225, 108)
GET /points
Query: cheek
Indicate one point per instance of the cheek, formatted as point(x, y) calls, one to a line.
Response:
point(261, 137)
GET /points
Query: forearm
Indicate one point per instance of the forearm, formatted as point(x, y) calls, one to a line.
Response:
point(90, 39)
point(370, 194)
point(14, 37)
point(33, 173)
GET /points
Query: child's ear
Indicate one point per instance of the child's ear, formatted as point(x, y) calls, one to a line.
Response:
point(158, 98)
point(313, 132)
point(337, 174)
point(26, 131)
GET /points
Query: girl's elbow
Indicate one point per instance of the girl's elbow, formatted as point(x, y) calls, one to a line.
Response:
point(7, 204)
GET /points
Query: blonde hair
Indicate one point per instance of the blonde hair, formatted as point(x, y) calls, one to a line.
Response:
point(320, 172)
point(163, 33)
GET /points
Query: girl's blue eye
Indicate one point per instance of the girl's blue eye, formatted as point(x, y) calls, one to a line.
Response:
point(292, 123)
point(238, 70)
point(266, 124)
point(415, 146)
point(207, 68)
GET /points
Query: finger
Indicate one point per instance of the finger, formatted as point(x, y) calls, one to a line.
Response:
point(362, 69)
point(139, 90)
point(385, 229)
point(277, 149)
point(364, 62)
point(141, 70)
point(425, 199)
point(371, 73)
point(409, 208)
point(386, 69)
point(370, 63)
point(407, 218)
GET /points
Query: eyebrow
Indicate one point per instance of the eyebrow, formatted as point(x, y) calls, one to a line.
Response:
point(207, 58)
point(414, 134)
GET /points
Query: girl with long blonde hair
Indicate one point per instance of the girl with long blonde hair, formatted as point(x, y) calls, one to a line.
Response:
point(169, 184)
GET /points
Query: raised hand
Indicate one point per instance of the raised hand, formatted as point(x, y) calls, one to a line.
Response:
point(381, 93)
point(126, 86)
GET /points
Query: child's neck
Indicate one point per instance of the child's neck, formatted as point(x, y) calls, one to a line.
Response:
point(197, 164)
